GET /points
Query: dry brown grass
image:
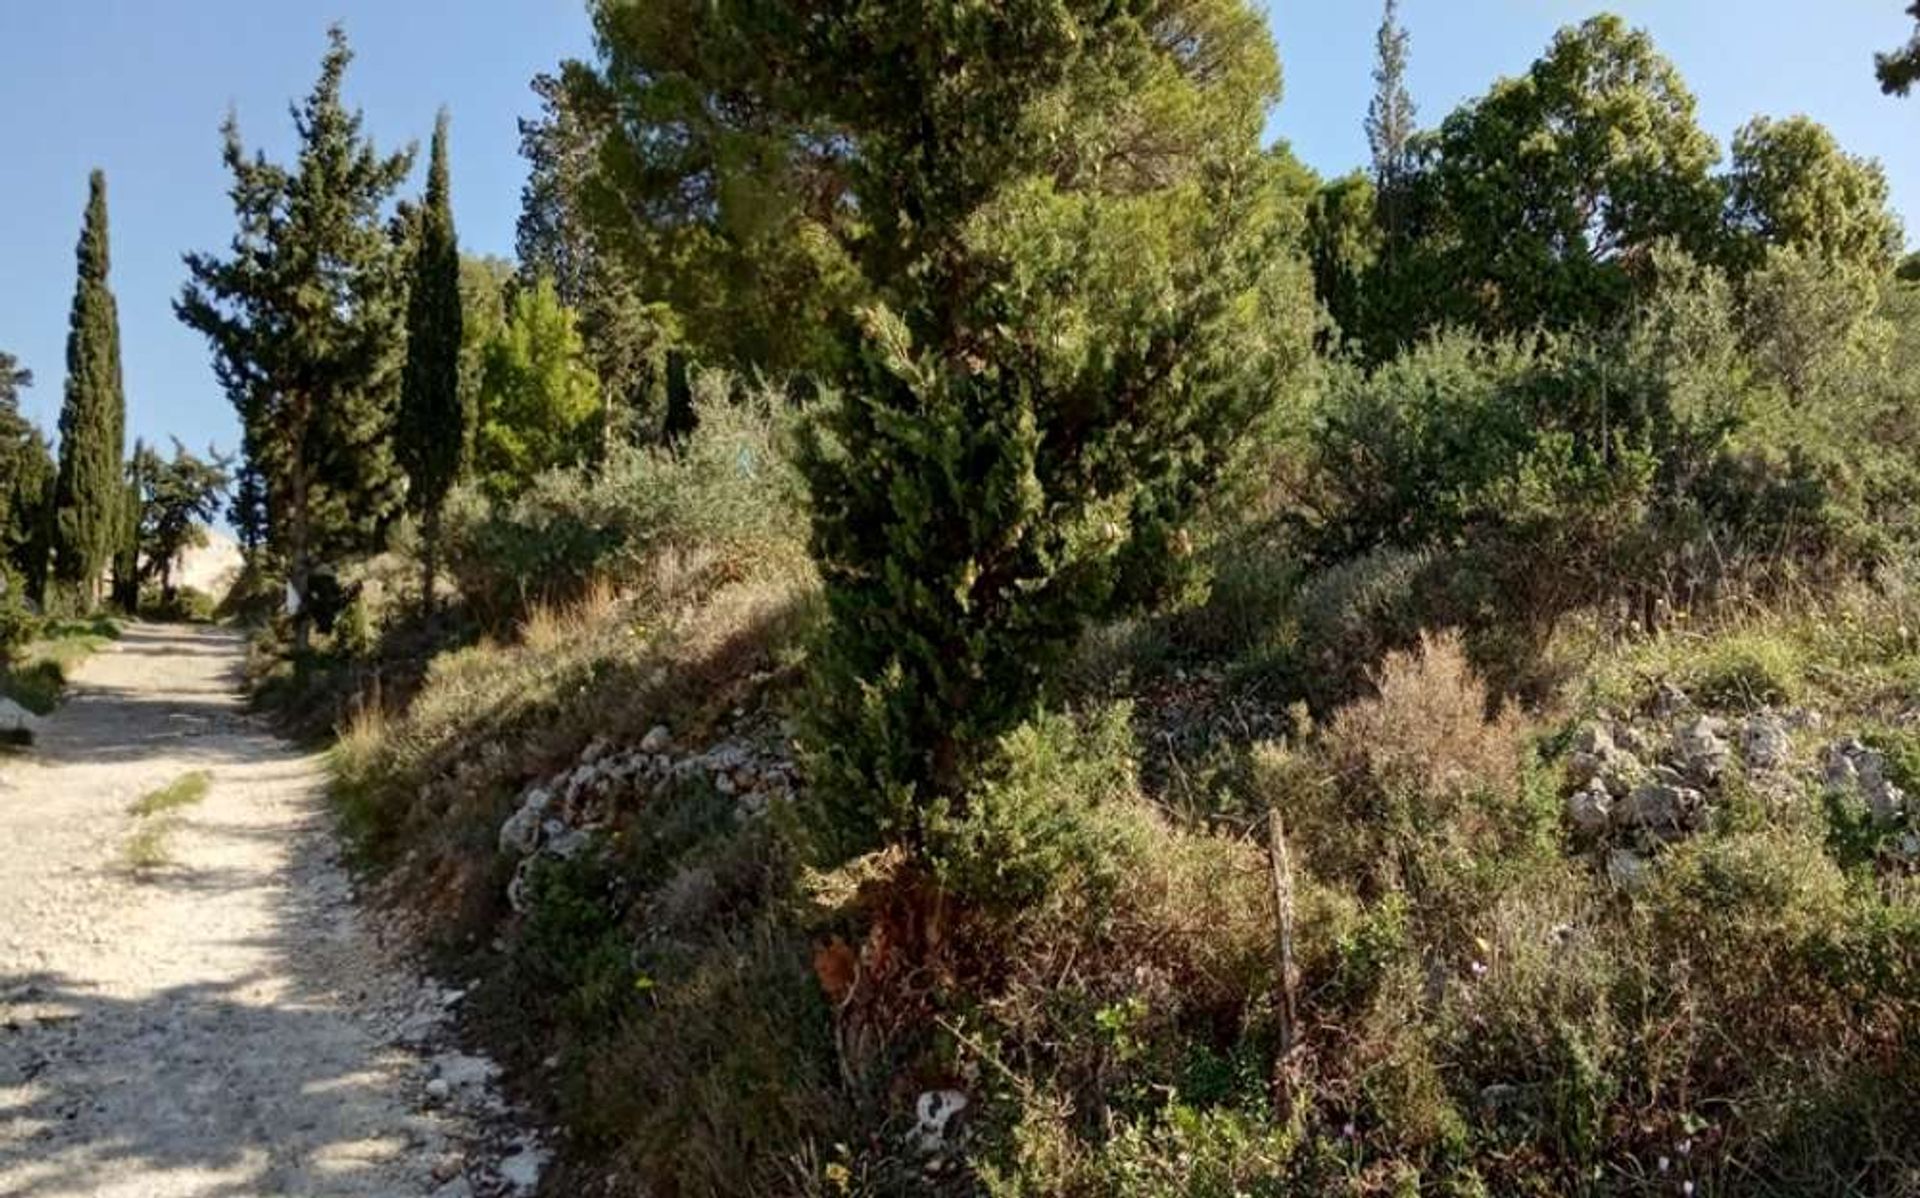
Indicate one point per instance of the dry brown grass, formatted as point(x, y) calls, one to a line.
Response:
point(1426, 729)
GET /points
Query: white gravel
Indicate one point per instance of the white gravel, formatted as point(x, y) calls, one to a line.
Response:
point(227, 1025)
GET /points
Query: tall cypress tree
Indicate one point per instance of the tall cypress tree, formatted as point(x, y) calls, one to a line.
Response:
point(306, 324)
point(126, 546)
point(1390, 118)
point(88, 491)
point(434, 427)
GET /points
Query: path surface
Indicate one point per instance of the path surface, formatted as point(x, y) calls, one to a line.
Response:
point(225, 1025)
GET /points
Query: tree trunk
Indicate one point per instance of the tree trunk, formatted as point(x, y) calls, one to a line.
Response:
point(300, 563)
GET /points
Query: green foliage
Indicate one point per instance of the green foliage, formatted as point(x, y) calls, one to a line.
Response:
point(304, 316)
point(35, 673)
point(1039, 815)
point(88, 498)
point(743, 212)
point(179, 498)
point(539, 402)
point(1897, 69)
point(27, 479)
point(1792, 186)
point(1546, 187)
point(184, 791)
point(433, 428)
point(729, 493)
point(1050, 376)
point(18, 622)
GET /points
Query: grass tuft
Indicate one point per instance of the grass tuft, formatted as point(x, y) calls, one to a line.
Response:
point(183, 791)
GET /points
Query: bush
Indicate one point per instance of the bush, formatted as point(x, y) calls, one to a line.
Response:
point(724, 502)
point(1416, 788)
point(19, 623)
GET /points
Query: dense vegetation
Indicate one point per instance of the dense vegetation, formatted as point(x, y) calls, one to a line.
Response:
point(960, 624)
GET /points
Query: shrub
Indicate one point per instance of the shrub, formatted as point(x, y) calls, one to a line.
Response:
point(1414, 788)
point(727, 496)
point(18, 621)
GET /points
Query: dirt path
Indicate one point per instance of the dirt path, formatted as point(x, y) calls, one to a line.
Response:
point(225, 1024)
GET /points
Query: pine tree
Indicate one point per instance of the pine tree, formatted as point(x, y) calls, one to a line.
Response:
point(178, 499)
point(88, 490)
point(434, 428)
point(305, 317)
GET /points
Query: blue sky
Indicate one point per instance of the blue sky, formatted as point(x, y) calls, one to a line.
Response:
point(139, 88)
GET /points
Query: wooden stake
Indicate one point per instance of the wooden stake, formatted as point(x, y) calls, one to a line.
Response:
point(1283, 911)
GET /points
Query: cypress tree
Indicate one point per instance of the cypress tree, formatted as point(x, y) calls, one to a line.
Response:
point(87, 496)
point(1072, 313)
point(434, 427)
point(306, 323)
point(126, 548)
point(1391, 112)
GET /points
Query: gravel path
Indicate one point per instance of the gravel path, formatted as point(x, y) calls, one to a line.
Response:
point(223, 1023)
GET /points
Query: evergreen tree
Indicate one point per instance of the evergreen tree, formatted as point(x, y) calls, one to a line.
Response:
point(432, 433)
point(539, 403)
point(1552, 185)
point(1390, 117)
point(88, 490)
point(1899, 69)
point(1792, 186)
point(27, 473)
point(126, 548)
point(627, 337)
point(179, 498)
point(306, 323)
point(1072, 308)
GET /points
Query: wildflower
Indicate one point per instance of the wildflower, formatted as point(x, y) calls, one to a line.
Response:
point(1479, 968)
point(1663, 1164)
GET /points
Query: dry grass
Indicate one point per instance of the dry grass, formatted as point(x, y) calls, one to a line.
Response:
point(1426, 729)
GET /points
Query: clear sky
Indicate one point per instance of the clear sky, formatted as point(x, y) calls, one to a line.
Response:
point(139, 88)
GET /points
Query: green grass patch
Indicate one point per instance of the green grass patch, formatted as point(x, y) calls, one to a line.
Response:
point(183, 791)
point(146, 850)
point(37, 676)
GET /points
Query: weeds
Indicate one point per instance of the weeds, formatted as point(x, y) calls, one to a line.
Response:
point(183, 791)
point(158, 813)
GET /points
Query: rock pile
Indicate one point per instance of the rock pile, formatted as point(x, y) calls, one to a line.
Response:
point(560, 817)
point(1634, 788)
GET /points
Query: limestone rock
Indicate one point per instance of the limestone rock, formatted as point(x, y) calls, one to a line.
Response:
point(1699, 750)
point(17, 724)
point(657, 740)
point(520, 835)
point(1627, 870)
point(1851, 767)
point(1590, 809)
point(1765, 742)
point(1665, 811)
point(933, 1119)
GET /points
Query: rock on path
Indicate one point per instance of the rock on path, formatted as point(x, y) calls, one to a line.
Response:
point(226, 1024)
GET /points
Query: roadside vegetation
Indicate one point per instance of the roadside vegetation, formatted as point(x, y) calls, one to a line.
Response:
point(959, 624)
point(37, 667)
